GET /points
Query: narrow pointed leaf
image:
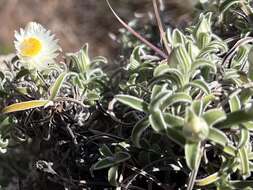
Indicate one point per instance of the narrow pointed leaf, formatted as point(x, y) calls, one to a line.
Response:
point(179, 97)
point(55, 88)
point(244, 162)
point(25, 106)
point(203, 63)
point(218, 137)
point(138, 129)
point(157, 121)
point(173, 120)
point(202, 85)
point(133, 102)
point(244, 137)
point(234, 103)
point(214, 116)
point(192, 154)
point(197, 107)
point(208, 180)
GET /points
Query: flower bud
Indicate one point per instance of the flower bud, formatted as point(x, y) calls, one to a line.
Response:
point(195, 128)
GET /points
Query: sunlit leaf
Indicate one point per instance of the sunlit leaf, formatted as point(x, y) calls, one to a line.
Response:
point(157, 121)
point(244, 162)
point(133, 102)
point(214, 116)
point(208, 180)
point(56, 86)
point(192, 154)
point(25, 106)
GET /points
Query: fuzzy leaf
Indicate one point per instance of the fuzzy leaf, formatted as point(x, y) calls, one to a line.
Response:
point(244, 137)
point(165, 69)
point(237, 117)
point(138, 129)
point(135, 59)
point(133, 102)
point(179, 97)
point(201, 84)
point(203, 63)
point(234, 103)
point(214, 116)
point(180, 58)
point(157, 121)
point(218, 137)
point(176, 136)
point(173, 120)
point(197, 107)
point(56, 86)
point(157, 89)
point(192, 154)
point(243, 154)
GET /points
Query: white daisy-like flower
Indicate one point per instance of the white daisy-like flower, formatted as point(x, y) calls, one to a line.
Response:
point(36, 47)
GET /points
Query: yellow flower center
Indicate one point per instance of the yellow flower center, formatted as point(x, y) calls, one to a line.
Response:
point(30, 47)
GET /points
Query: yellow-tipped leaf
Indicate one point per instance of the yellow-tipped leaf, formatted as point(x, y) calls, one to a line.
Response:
point(25, 106)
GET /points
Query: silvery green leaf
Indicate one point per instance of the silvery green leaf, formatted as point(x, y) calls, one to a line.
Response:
point(192, 154)
point(158, 89)
point(165, 69)
point(200, 63)
point(213, 47)
point(173, 120)
point(133, 102)
point(56, 86)
point(244, 137)
point(237, 117)
point(81, 59)
point(157, 102)
point(200, 84)
point(135, 59)
point(203, 26)
point(207, 100)
point(157, 121)
point(244, 162)
point(214, 116)
point(178, 38)
point(204, 40)
point(176, 136)
point(179, 97)
point(217, 136)
point(193, 50)
point(180, 58)
point(138, 129)
point(234, 103)
point(197, 107)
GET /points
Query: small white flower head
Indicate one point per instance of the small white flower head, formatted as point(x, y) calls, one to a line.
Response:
point(36, 47)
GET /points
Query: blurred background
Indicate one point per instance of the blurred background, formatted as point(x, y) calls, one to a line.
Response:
point(76, 22)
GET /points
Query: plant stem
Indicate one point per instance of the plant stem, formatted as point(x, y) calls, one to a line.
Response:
point(161, 29)
point(137, 35)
